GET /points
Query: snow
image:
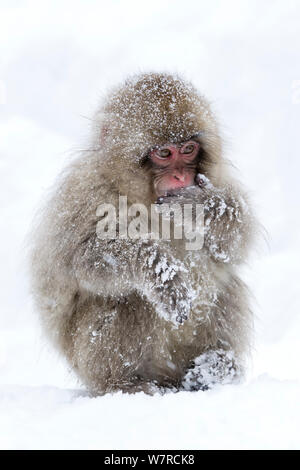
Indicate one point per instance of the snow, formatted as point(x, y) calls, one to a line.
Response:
point(60, 418)
point(57, 60)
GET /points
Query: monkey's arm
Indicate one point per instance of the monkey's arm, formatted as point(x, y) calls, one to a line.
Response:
point(118, 266)
point(229, 223)
point(228, 220)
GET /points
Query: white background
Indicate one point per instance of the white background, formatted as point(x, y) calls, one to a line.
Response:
point(57, 58)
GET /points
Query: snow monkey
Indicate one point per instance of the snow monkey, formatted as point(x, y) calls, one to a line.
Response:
point(145, 313)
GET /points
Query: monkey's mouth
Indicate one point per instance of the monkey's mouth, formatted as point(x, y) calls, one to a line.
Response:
point(177, 183)
point(172, 184)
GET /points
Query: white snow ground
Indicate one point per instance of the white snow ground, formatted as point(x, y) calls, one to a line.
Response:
point(56, 59)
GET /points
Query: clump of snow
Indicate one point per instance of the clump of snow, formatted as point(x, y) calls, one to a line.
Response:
point(165, 271)
point(202, 180)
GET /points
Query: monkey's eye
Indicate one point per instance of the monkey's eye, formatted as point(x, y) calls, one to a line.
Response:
point(163, 153)
point(188, 148)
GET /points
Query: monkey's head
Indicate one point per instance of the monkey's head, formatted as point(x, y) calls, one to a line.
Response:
point(158, 133)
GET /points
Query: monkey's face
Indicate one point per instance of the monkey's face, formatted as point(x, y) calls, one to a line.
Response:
point(174, 166)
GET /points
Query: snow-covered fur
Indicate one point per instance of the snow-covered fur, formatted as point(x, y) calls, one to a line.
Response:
point(110, 306)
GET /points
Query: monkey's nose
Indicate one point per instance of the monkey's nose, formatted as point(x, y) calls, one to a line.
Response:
point(180, 177)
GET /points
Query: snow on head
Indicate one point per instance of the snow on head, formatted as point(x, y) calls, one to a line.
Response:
point(152, 109)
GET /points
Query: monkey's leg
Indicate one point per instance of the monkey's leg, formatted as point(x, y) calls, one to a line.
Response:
point(211, 368)
point(110, 341)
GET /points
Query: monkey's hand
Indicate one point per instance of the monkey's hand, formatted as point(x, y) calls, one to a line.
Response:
point(167, 286)
point(175, 300)
point(212, 368)
point(228, 221)
point(182, 196)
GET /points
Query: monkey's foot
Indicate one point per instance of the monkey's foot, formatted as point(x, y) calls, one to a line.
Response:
point(210, 369)
point(136, 385)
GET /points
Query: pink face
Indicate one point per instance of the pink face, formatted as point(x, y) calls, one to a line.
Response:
point(174, 166)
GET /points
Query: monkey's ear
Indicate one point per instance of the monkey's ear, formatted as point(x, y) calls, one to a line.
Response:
point(204, 161)
point(145, 160)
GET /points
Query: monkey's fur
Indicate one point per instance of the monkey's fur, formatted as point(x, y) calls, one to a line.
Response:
point(109, 305)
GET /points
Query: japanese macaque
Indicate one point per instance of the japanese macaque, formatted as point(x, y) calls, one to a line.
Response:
point(145, 313)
